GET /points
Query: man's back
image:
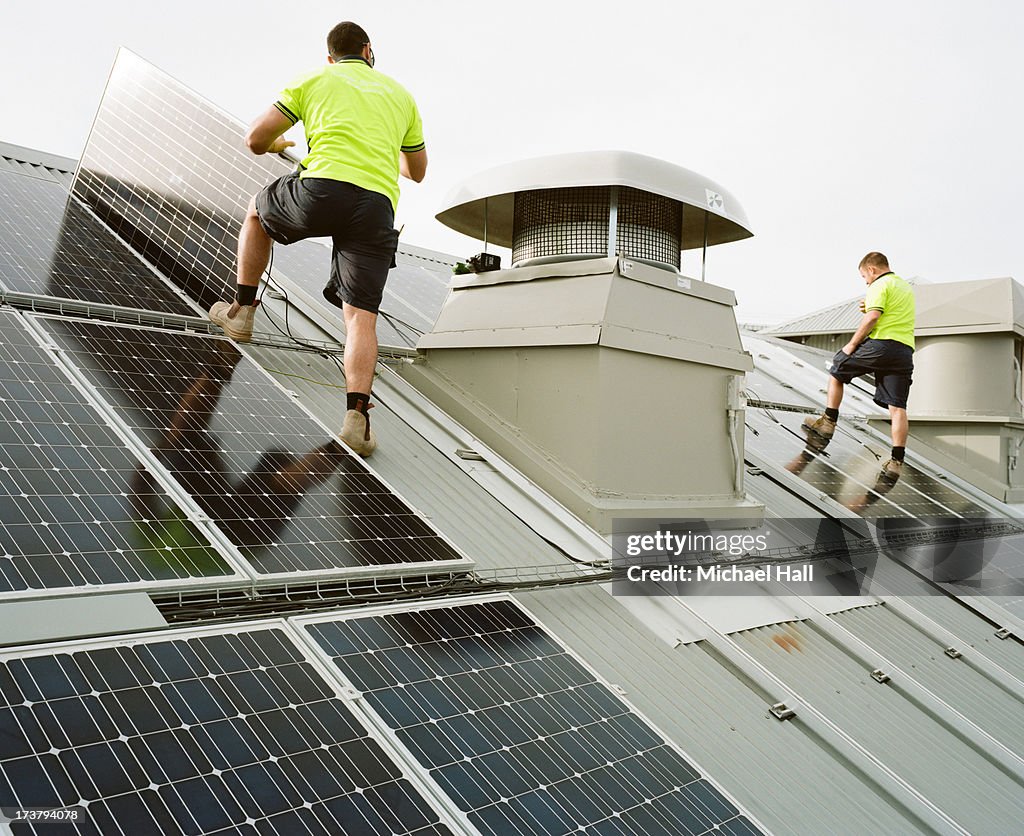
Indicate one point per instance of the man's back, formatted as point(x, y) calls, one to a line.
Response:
point(894, 297)
point(356, 121)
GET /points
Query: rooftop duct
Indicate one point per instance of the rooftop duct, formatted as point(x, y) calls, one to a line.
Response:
point(592, 365)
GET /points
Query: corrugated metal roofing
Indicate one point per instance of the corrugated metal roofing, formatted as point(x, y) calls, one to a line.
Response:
point(838, 318)
point(858, 756)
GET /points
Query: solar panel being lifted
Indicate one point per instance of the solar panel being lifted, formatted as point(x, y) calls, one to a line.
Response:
point(514, 729)
point(273, 479)
point(51, 245)
point(170, 173)
point(214, 732)
point(79, 510)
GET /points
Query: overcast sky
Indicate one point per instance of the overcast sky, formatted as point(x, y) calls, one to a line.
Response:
point(840, 127)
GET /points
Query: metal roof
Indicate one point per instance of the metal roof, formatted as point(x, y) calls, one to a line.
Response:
point(935, 748)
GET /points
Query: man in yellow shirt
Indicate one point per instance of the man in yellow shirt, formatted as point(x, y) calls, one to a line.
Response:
point(363, 130)
point(883, 345)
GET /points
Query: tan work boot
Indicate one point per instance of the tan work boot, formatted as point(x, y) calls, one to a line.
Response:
point(235, 319)
point(822, 426)
point(891, 470)
point(356, 433)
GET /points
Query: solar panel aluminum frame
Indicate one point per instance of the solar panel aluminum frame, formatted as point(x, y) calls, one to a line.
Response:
point(240, 577)
point(417, 778)
point(264, 579)
point(359, 705)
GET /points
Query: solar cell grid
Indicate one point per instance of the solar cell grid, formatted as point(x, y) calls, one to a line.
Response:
point(222, 732)
point(181, 203)
point(77, 508)
point(51, 245)
point(273, 479)
point(520, 735)
point(848, 470)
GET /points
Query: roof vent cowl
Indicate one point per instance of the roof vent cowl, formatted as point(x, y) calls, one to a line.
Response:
point(595, 204)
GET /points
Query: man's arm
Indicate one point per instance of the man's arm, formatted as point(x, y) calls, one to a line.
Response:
point(867, 325)
point(413, 164)
point(265, 133)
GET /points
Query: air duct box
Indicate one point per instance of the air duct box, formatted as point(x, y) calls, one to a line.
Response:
point(593, 365)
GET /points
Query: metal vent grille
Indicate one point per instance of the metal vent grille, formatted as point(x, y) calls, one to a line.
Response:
point(558, 222)
point(649, 226)
point(553, 224)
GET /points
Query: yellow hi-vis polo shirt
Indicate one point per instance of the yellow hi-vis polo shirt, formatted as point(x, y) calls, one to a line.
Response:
point(356, 121)
point(894, 297)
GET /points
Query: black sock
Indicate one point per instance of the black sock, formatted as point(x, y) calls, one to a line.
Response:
point(898, 453)
point(832, 414)
point(358, 401)
point(245, 294)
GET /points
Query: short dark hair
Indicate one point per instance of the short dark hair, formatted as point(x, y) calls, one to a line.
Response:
point(347, 38)
point(876, 260)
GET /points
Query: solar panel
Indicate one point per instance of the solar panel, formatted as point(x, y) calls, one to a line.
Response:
point(226, 731)
point(847, 470)
point(272, 478)
point(78, 510)
point(521, 736)
point(181, 203)
point(51, 245)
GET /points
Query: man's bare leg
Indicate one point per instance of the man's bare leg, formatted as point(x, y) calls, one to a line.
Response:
point(253, 248)
point(900, 426)
point(360, 348)
point(254, 245)
point(360, 363)
point(835, 393)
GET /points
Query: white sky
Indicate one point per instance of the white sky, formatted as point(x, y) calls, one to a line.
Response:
point(840, 127)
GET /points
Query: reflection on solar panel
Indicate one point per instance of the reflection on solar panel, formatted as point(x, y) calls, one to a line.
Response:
point(518, 733)
point(761, 386)
point(221, 732)
point(181, 203)
point(50, 245)
point(78, 509)
point(288, 495)
point(848, 470)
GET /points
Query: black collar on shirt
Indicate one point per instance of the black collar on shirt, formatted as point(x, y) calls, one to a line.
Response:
point(352, 58)
point(890, 273)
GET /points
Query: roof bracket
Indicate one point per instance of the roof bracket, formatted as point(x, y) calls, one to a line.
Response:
point(1003, 633)
point(880, 676)
point(469, 455)
point(953, 653)
point(780, 712)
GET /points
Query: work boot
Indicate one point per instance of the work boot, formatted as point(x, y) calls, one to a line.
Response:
point(823, 426)
point(891, 471)
point(235, 319)
point(356, 433)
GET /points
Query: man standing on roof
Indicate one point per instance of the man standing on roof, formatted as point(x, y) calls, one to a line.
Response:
point(363, 130)
point(883, 345)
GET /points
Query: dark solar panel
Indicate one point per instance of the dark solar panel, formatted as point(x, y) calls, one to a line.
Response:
point(518, 733)
point(226, 732)
point(847, 470)
point(181, 202)
point(272, 478)
point(51, 245)
point(77, 509)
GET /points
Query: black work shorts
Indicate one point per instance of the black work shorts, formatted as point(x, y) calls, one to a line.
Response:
point(890, 361)
point(361, 223)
